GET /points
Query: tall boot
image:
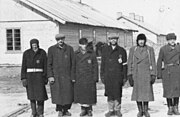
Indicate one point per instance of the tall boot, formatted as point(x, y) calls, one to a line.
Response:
point(33, 108)
point(140, 108)
point(40, 108)
point(170, 106)
point(89, 111)
point(175, 108)
point(146, 113)
point(83, 111)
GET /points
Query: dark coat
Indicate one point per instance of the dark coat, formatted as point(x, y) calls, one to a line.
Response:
point(61, 67)
point(171, 73)
point(141, 65)
point(112, 71)
point(86, 78)
point(35, 80)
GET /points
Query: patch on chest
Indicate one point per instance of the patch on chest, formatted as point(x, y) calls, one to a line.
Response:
point(89, 61)
point(120, 58)
point(37, 61)
point(66, 56)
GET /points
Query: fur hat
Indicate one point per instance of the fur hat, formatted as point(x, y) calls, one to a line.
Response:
point(170, 36)
point(34, 41)
point(141, 37)
point(83, 41)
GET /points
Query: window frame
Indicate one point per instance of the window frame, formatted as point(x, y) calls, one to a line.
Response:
point(13, 40)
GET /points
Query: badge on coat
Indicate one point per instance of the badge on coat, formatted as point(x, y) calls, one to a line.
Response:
point(120, 58)
point(66, 56)
point(37, 61)
point(89, 61)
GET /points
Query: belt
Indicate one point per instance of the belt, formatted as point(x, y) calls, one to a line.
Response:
point(34, 70)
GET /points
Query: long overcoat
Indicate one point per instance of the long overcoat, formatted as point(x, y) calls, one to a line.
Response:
point(61, 67)
point(170, 74)
point(86, 77)
point(36, 81)
point(112, 71)
point(141, 65)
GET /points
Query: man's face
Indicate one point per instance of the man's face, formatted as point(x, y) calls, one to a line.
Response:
point(61, 41)
point(113, 41)
point(141, 42)
point(172, 42)
point(35, 46)
point(83, 46)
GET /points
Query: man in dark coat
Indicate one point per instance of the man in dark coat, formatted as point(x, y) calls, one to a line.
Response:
point(168, 69)
point(86, 78)
point(33, 76)
point(60, 72)
point(114, 74)
point(142, 74)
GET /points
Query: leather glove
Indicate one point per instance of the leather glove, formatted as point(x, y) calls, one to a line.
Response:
point(51, 80)
point(153, 79)
point(131, 81)
point(24, 82)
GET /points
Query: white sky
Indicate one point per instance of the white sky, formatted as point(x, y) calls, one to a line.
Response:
point(163, 14)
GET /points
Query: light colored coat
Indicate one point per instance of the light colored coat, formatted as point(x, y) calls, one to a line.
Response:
point(141, 64)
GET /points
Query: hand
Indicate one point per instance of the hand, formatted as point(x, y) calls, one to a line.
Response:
point(24, 82)
point(153, 79)
point(131, 81)
point(124, 81)
point(51, 80)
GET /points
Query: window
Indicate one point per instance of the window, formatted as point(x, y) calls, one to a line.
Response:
point(13, 37)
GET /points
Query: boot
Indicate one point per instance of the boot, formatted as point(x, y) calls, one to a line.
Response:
point(83, 111)
point(140, 108)
point(170, 106)
point(176, 103)
point(146, 113)
point(40, 108)
point(109, 114)
point(118, 113)
point(60, 114)
point(33, 108)
point(89, 111)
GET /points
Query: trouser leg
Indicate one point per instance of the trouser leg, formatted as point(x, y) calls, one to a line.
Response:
point(170, 106)
point(140, 108)
point(40, 108)
point(146, 113)
point(33, 107)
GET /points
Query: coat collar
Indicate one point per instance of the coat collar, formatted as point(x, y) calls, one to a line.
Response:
point(172, 52)
point(141, 54)
point(63, 48)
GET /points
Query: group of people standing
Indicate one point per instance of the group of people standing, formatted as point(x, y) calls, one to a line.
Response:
point(73, 75)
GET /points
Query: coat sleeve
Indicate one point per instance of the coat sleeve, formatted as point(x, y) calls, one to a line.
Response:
point(45, 65)
point(124, 62)
point(50, 63)
point(103, 57)
point(153, 62)
point(24, 67)
point(130, 62)
point(95, 67)
point(159, 63)
point(72, 63)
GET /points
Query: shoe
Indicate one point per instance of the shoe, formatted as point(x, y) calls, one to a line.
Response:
point(83, 112)
point(60, 114)
point(170, 110)
point(67, 113)
point(176, 110)
point(118, 113)
point(110, 113)
point(89, 113)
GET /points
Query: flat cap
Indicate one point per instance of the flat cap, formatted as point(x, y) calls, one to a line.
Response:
point(170, 36)
point(113, 36)
point(60, 36)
